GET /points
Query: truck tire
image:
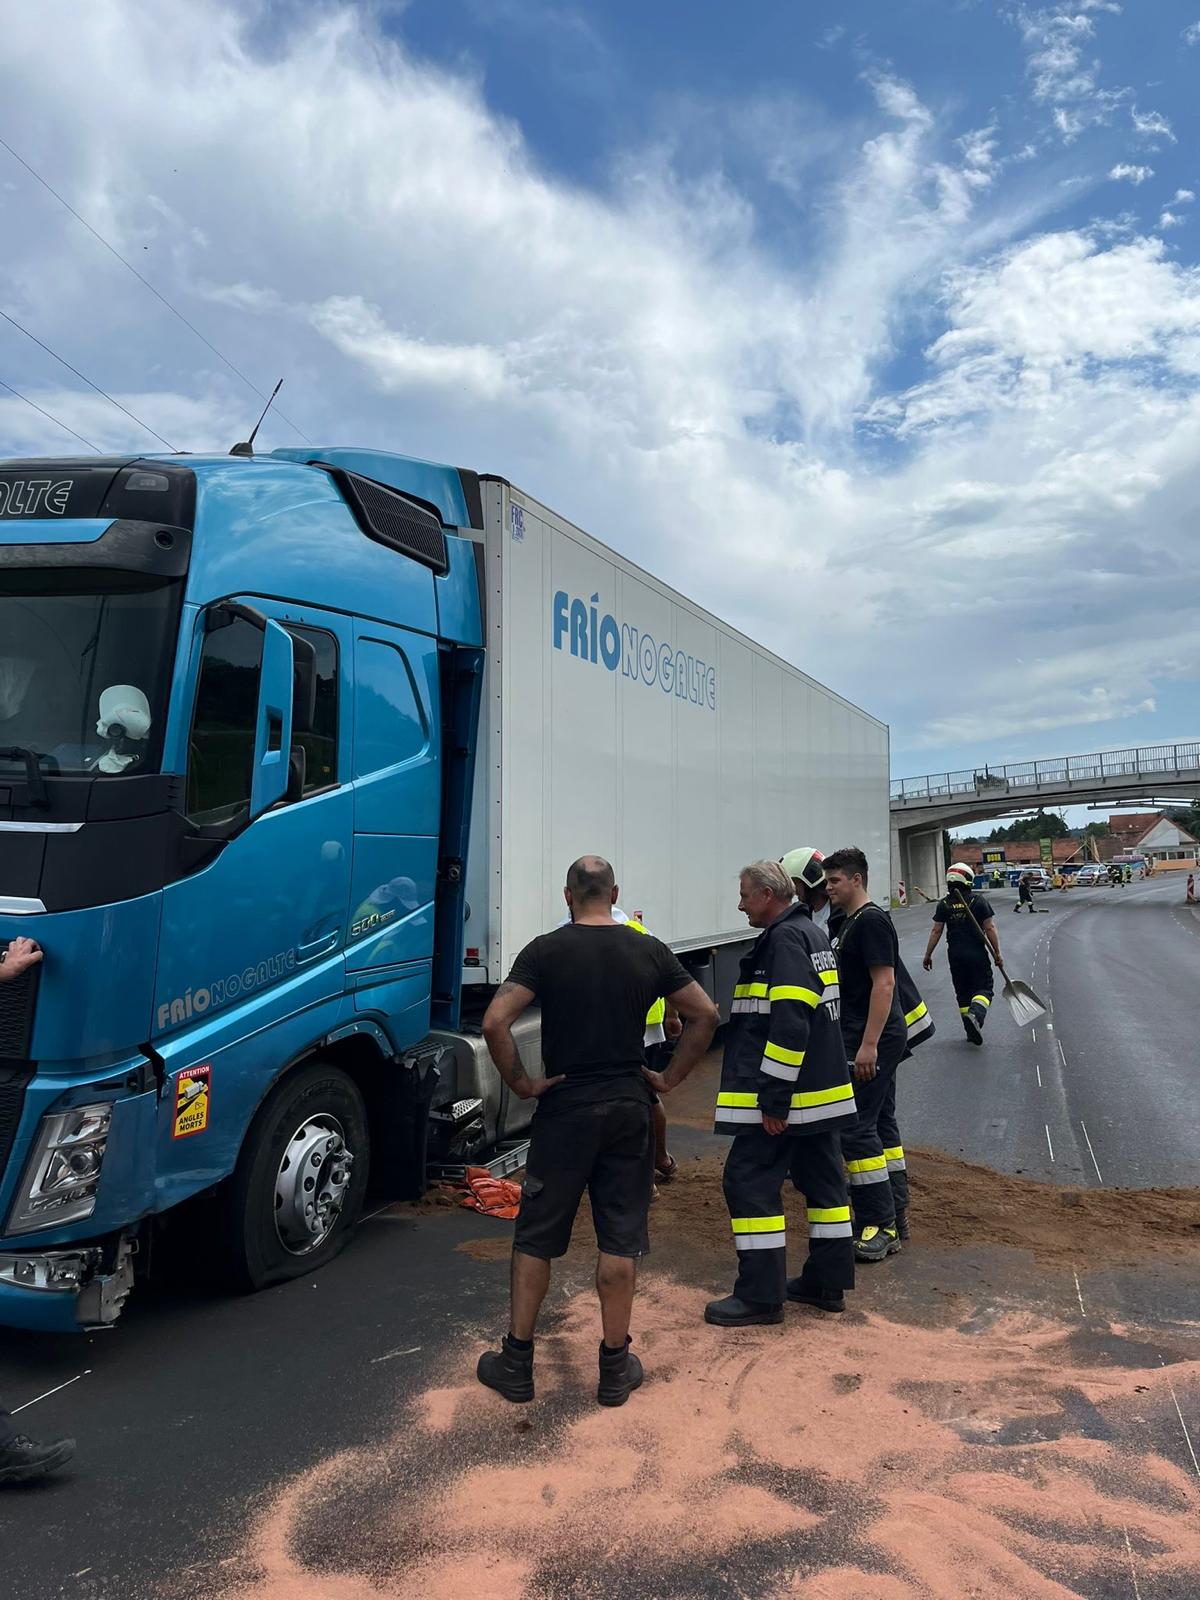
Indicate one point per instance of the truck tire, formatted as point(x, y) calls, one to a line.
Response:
point(299, 1184)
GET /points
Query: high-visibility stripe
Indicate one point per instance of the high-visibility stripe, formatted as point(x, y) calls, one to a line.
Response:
point(829, 1213)
point(893, 1152)
point(963, 1010)
point(748, 991)
point(824, 1097)
point(760, 1008)
point(777, 1052)
point(870, 1169)
point(757, 1224)
point(790, 991)
point(820, 1113)
point(831, 1230)
point(920, 1026)
point(736, 1099)
point(761, 1241)
point(921, 1010)
point(980, 999)
point(774, 1070)
point(808, 1105)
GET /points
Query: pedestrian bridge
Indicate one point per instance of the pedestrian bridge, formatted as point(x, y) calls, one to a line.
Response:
point(922, 807)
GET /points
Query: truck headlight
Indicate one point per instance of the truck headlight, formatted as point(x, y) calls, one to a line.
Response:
point(63, 1171)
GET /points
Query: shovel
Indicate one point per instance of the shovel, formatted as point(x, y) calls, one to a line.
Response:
point(1022, 1002)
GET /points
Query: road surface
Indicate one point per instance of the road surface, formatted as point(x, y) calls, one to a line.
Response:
point(1102, 1091)
point(213, 1431)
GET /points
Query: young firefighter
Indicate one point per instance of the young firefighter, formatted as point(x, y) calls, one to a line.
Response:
point(804, 866)
point(970, 967)
point(875, 1040)
point(785, 1095)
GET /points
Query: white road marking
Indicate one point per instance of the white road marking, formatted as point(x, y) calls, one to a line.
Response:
point(1051, 1147)
point(1062, 1055)
point(1078, 1291)
point(49, 1392)
point(1186, 1435)
point(1038, 1070)
point(375, 1360)
point(1091, 1152)
point(1132, 1569)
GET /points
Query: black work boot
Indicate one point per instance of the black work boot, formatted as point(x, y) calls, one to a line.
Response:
point(23, 1458)
point(509, 1372)
point(902, 1229)
point(971, 1028)
point(876, 1244)
point(620, 1374)
point(734, 1313)
point(811, 1294)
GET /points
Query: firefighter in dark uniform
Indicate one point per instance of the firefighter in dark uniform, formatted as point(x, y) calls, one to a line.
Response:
point(970, 928)
point(803, 866)
point(785, 1096)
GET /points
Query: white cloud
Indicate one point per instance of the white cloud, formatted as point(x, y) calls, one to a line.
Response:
point(1130, 174)
point(1059, 42)
point(637, 353)
point(1184, 197)
point(1191, 34)
point(1169, 220)
point(1151, 125)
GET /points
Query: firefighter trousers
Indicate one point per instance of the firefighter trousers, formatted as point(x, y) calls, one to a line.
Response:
point(973, 987)
point(756, 1167)
point(863, 1149)
point(893, 1149)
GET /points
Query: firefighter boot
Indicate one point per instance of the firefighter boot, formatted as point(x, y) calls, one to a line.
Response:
point(803, 1293)
point(734, 1313)
point(876, 1244)
point(22, 1458)
point(620, 1374)
point(508, 1371)
point(902, 1229)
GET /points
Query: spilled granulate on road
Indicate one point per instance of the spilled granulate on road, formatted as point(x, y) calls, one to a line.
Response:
point(854, 1458)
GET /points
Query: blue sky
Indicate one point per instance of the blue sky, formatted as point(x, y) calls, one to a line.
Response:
point(874, 325)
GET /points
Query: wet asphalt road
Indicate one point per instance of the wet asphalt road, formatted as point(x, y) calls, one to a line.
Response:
point(1102, 1091)
point(197, 1405)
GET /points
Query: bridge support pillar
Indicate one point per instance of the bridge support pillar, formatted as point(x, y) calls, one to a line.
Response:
point(918, 861)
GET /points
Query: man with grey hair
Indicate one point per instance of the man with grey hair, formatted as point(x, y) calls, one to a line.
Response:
point(785, 1095)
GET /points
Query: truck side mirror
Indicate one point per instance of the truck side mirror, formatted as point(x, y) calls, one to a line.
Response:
point(273, 736)
point(304, 684)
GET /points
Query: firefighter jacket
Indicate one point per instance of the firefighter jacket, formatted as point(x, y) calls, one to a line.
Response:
point(783, 1042)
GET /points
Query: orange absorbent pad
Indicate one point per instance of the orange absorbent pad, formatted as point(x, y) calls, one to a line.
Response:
point(495, 1197)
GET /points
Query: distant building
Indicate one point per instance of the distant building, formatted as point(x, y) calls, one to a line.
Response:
point(1165, 844)
point(1150, 834)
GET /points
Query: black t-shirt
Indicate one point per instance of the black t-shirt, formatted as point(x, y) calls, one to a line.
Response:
point(964, 943)
point(867, 939)
point(595, 983)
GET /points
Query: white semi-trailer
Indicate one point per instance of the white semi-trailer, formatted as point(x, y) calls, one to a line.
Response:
point(620, 718)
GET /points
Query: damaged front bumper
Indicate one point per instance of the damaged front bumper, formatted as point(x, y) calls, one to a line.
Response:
point(68, 1290)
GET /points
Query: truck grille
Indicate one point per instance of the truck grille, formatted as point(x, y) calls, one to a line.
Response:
point(17, 1000)
point(13, 1080)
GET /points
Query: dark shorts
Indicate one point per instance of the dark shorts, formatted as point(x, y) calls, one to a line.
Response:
point(605, 1147)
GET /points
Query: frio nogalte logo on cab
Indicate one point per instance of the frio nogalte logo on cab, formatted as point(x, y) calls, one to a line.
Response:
point(580, 627)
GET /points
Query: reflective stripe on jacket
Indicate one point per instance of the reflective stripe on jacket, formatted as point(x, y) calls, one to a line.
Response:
point(783, 1042)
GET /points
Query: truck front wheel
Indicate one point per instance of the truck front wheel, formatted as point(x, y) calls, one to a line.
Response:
point(299, 1184)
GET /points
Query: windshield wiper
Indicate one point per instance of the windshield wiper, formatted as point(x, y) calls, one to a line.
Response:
point(39, 796)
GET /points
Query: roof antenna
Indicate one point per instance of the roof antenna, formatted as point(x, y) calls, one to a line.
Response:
point(246, 448)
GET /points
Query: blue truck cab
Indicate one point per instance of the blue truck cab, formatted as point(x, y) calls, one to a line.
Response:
point(238, 709)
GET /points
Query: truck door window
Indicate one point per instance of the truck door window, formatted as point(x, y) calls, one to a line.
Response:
point(320, 742)
point(389, 725)
point(221, 748)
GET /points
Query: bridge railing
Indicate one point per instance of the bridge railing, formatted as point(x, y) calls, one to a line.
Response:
point(1147, 760)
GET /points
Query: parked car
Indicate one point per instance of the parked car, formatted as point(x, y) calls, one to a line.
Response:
point(1092, 874)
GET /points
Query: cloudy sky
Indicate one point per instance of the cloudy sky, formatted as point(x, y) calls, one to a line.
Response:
point(872, 324)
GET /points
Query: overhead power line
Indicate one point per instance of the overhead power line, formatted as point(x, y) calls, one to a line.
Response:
point(81, 376)
point(158, 295)
point(50, 416)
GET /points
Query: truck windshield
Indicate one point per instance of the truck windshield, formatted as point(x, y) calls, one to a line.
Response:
point(85, 661)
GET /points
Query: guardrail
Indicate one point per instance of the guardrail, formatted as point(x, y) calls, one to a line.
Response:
point(1145, 760)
